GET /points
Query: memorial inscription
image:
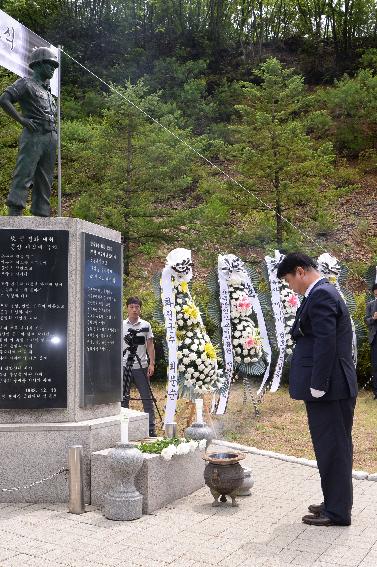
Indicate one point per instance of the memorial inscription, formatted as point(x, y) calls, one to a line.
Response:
point(33, 318)
point(102, 317)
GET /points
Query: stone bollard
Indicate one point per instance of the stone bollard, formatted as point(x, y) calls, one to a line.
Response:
point(123, 501)
point(198, 431)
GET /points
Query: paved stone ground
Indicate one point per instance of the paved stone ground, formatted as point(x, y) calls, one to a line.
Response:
point(266, 529)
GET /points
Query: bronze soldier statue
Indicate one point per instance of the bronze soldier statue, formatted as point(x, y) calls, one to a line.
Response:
point(38, 141)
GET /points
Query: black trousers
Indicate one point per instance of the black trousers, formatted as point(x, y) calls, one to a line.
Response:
point(373, 352)
point(330, 425)
point(140, 380)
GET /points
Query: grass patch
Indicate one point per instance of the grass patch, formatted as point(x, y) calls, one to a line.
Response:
point(282, 424)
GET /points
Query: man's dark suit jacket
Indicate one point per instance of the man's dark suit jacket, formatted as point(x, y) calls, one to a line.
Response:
point(322, 358)
point(372, 323)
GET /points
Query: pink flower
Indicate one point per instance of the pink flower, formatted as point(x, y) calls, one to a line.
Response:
point(293, 300)
point(244, 303)
point(249, 342)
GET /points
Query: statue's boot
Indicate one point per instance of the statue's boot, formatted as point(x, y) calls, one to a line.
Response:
point(14, 211)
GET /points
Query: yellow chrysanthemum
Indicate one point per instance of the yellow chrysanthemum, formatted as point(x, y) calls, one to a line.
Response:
point(191, 311)
point(184, 287)
point(332, 279)
point(180, 335)
point(210, 351)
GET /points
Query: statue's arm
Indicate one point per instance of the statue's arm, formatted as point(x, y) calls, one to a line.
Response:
point(7, 105)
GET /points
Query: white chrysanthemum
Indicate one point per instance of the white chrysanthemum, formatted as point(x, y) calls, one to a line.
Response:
point(186, 360)
point(192, 356)
point(183, 449)
point(193, 445)
point(168, 452)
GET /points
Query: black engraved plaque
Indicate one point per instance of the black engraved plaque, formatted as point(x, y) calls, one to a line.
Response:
point(102, 321)
point(33, 318)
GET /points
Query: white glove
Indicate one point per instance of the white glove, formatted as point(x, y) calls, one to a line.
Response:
point(317, 393)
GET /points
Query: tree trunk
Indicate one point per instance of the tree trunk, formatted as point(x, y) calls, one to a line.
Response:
point(278, 209)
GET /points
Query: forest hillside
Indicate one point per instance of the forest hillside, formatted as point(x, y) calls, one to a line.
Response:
point(233, 127)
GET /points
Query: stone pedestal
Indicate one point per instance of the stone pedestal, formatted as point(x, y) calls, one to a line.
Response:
point(61, 353)
point(159, 481)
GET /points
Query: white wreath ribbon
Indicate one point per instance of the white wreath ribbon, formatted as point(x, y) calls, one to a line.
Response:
point(226, 336)
point(178, 268)
point(277, 310)
point(168, 304)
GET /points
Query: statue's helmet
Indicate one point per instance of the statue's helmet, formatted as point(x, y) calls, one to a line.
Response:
point(41, 54)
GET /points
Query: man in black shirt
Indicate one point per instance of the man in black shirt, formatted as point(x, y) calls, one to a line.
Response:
point(38, 141)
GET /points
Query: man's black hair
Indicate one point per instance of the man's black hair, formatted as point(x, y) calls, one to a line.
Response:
point(374, 286)
point(134, 301)
point(295, 260)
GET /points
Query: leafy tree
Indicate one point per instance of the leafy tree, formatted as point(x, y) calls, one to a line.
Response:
point(280, 164)
point(352, 104)
point(139, 174)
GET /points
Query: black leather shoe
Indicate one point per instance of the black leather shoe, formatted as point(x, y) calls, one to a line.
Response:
point(322, 520)
point(316, 509)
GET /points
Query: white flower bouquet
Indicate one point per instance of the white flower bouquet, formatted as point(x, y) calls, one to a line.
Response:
point(197, 358)
point(246, 340)
point(167, 448)
point(290, 303)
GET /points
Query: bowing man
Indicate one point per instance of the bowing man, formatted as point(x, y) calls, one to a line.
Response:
point(322, 374)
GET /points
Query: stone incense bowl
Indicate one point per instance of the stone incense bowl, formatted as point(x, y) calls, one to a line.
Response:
point(224, 475)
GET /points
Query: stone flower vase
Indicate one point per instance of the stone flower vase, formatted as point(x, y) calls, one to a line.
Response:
point(123, 501)
point(198, 431)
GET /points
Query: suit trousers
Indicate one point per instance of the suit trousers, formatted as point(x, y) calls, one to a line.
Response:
point(330, 425)
point(140, 380)
point(34, 167)
point(373, 351)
